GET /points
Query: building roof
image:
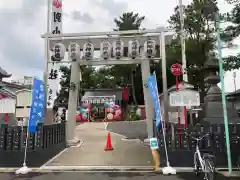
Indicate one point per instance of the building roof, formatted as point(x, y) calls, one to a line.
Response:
point(4, 73)
point(101, 93)
point(23, 90)
point(7, 92)
point(181, 85)
point(15, 86)
point(234, 93)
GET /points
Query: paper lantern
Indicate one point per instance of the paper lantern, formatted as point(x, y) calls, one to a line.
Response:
point(85, 116)
point(88, 51)
point(149, 48)
point(110, 116)
point(74, 51)
point(105, 50)
point(117, 117)
point(111, 110)
point(83, 110)
point(133, 49)
point(117, 107)
point(112, 104)
point(106, 105)
point(138, 112)
point(59, 51)
point(118, 49)
point(118, 112)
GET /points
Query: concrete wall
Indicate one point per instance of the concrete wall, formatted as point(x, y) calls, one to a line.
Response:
point(236, 103)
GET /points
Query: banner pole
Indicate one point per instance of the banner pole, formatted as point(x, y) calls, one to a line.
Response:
point(178, 116)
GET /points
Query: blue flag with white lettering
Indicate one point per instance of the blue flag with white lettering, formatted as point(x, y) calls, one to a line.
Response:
point(37, 110)
point(153, 90)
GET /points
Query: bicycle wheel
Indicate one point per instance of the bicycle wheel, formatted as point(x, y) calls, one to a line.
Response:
point(238, 163)
point(209, 170)
point(196, 165)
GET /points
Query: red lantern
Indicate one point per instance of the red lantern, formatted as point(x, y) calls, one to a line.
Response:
point(125, 94)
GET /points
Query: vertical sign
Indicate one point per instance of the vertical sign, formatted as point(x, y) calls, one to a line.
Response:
point(54, 68)
point(153, 90)
point(37, 106)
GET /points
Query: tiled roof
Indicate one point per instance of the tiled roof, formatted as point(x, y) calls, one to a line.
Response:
point(89, 94)
point(4, 73)
point(7, 92)
point(234, 93)
point(16, 86)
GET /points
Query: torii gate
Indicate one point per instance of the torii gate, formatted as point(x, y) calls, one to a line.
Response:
point(81, 46)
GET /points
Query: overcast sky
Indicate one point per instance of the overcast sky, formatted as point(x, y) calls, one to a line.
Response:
point(23, 21)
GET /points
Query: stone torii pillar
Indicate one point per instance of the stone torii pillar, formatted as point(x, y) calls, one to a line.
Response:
point(72, 104)
point(145, 67)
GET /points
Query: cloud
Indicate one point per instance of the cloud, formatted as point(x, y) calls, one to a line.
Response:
point(114, 8)
point(84, 17)
point(22, 23)
point(20, 40)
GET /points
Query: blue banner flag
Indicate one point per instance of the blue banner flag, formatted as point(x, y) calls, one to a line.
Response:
point(153, 90)
point(37, 110)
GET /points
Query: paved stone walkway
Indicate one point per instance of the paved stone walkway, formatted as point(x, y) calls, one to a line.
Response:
point(91, 152)
point(129, 129)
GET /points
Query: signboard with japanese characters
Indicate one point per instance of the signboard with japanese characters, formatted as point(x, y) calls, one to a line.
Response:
point(56, 17)
point(98, 100)
point(57, 54)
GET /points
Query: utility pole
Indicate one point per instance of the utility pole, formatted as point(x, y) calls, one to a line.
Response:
point(183, 50)
point(182, 36)
point(219, 48)
point(234, 80)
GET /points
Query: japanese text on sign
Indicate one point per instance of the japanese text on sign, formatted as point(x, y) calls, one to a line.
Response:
point(37, 106)
point(184, 98)
point(53, 71)
point(56, 17)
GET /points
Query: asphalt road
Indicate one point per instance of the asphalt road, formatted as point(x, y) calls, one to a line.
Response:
point(130, 129)
point(105, 176)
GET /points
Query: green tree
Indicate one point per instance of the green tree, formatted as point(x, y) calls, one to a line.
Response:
point(200, 38)
point(128, 21)
point(87, 83)
point(231, 33)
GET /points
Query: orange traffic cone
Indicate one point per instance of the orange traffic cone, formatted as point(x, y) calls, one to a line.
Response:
point(108, 143)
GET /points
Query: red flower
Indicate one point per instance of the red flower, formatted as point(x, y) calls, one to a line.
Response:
point(57, 4)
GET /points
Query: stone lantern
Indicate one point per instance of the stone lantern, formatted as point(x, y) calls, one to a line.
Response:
point(212, 108)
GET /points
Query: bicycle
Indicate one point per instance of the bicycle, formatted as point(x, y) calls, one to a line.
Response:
point(205, 161)
point(238, 163)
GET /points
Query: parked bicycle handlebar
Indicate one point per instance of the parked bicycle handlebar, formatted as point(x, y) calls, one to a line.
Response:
point(197, 139)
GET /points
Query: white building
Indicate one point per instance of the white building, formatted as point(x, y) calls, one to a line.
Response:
point(27, 80)
point(24, 99)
